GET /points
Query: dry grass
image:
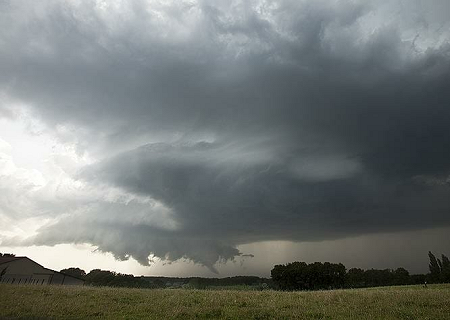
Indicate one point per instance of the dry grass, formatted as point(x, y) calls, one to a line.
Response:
point(58, 302)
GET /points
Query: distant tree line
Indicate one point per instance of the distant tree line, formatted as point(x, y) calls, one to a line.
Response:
point(99, 277)
point(318, 275)
point(203, 283)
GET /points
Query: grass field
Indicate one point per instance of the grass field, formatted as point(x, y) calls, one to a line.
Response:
point(58, 302)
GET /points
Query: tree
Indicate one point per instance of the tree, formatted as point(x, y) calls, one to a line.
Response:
point(445, 271)
point(303, 276)
point(435, 267)
point(100, 277)
point(291, 276)
point(355, 278)
point(375, 278)
point(9, 255)
point(74, 272)
point(401, 276)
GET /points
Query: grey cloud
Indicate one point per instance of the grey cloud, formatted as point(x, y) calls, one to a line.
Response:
point(139, 242)
point(296, 120)
point(242, 201)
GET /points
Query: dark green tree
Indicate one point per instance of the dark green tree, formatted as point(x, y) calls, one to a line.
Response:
point(9, 255)
point(355, 278)
point(401, 276)
point(100, 277)
point(435, 267)
point(445, 271)
point(74, 272)
point(303, 276)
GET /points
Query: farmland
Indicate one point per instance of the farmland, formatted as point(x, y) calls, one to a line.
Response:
point(403, 302)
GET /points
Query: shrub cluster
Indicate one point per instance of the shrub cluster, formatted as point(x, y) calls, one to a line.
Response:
point(314, 276)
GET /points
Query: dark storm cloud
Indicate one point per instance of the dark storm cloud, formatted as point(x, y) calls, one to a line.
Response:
point(296, 120)
point(216, 195)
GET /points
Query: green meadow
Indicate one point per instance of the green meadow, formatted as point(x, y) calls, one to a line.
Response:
point(61, 302)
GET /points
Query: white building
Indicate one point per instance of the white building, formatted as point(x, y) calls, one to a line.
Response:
point(22, 270)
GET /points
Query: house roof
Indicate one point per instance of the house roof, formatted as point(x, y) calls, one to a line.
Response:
point(9, 259)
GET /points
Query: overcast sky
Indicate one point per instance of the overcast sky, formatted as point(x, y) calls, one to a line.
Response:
point(223, 137)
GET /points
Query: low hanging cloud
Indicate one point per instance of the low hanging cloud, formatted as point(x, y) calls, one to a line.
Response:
point(235, 122)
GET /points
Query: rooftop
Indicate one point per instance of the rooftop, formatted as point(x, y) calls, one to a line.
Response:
point(4, 259)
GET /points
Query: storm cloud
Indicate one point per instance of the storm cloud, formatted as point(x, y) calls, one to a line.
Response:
point(215, 124)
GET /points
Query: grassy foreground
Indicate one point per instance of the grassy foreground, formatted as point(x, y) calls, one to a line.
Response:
point(59, 302)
